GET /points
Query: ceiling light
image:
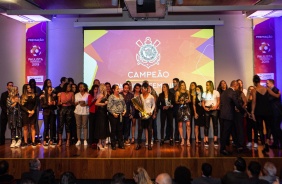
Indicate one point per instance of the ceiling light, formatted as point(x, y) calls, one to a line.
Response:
point(27, 18)
point(140, 2)
point(114, 2)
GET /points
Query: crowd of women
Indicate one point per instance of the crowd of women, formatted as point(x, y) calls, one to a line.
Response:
point(108, 111)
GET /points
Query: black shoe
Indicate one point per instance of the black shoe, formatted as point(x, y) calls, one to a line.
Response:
point(265, 149)
point(225, 152)
point(176, 140)
point(33, 144)
point(149, 147)
point(274, 146)
point(156, 140)
point(114, 147)
point(171, 142)
point(240, 150)
point(138, 147)
point(162, 142)
point(121, 147)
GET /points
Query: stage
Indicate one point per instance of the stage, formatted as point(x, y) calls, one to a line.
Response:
point(89, 163)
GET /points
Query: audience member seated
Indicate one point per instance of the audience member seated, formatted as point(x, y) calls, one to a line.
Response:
point(68, 178)
point(47, 177)
point(163, 178)
point(118, 178)
point(206, 176)
point(141, 176)
point(269, 172)
point(34, 170)
point(182, 175)
point(27, 181)
point(254, 169)
point(5, 178)
point(238, 174)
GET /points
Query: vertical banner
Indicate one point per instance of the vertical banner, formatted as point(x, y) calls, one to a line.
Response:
point(36, 52)
point(264, 49)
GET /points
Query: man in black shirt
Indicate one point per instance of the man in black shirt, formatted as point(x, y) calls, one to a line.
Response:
point(4, 117)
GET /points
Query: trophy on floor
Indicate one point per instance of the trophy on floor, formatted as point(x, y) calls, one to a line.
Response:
point(138, 104)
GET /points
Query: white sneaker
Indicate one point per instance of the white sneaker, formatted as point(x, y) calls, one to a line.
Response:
point(249, 144)
point(146, 144)
point(85, 143)
point(256, 145)
point(13, 144)
point(78, 143)
point(18, 144)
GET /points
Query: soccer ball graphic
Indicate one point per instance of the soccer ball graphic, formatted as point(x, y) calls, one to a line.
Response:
point(35, 50)
point(264, 47)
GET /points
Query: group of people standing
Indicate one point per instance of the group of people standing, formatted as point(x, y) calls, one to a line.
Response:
point(108, 111)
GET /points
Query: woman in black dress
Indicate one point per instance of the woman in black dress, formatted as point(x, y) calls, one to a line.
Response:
point(102, 124)
point(28, 107)
point(199, 112)
point(135, 112)
point(261, 109)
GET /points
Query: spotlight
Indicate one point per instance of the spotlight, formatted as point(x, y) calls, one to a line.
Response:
point(163, 1)
point(114, 2)
point(179, 1)
point(140, 2)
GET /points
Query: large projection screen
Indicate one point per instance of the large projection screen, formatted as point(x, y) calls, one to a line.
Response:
point(155, 55)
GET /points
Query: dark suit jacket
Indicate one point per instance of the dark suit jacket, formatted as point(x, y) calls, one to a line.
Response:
point(206, 180)
point(3, 102)
point(47, 109)
point(161, 101)
point(228, 101)
point(234, 177)
point(254, 181)
point(33, 174)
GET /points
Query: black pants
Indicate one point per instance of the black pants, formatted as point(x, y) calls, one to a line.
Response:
point(49, 124)
point(227, 127)
point(251, 124)
point(266, 120)
point(116, 130)
point(167, 116)
point(73, 130)
point(91, 128)
point(211, 114)
point(147, 124)
point(126, 127)
point(4, 121)
point(65, 119)
point(239, 130)
point(276, 130)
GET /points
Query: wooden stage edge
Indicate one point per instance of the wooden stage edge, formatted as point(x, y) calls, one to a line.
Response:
point(88, 163)
point(105, 168)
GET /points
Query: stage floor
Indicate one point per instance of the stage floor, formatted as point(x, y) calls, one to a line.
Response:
point(89, 163)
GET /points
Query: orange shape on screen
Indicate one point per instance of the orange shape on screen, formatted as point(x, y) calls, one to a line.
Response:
point(93, 53)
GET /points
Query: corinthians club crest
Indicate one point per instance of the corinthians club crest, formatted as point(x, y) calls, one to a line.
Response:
point(148, 54)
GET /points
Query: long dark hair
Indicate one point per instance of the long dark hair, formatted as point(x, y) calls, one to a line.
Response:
point(91, 91)
point(167, 87)
point(137, 85)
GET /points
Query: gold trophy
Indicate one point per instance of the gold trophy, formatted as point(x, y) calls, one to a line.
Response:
point(138, 104)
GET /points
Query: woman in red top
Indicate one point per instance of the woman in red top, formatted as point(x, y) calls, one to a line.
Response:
point(92, 98)
point(66, 99)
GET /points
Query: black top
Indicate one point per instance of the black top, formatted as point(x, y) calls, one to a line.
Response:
point(161, 101)
point(262, 104)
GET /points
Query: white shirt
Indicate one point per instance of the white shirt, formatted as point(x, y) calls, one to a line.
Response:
point(245, 92)
point(211, 99)
point(149, 103)
point(78, 108)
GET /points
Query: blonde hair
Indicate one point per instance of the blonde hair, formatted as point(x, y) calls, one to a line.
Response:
point(13, 91)
point(142, 176)
point(25, 94)
point(103, 90)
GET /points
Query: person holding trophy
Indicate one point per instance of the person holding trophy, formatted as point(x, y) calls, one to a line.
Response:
point(182, 98)
point(146, 105)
